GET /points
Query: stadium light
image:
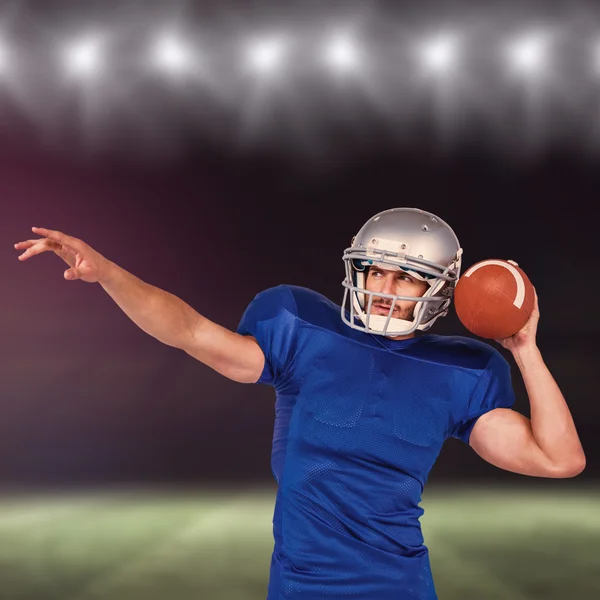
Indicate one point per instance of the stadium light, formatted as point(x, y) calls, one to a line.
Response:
point(4, 59)
point(595, 56)
point(440, 54)
point(528, 54)
point(83, 57)
point(266, 55)
point(341, 53)
point(171, 54)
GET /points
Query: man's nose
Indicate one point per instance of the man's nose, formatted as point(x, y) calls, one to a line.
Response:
point(388, 285)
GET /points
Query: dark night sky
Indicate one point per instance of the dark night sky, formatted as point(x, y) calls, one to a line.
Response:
point(87, 397)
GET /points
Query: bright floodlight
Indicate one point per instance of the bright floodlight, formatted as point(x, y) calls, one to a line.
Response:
point(171, 54)
point(440, 53)
point(84, 57)
point(266, 55)
point(596, 57)
point(3, 58)
point(528, 54)
point(341, 53)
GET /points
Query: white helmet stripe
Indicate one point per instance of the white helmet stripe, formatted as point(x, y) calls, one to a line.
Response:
point(520, 297)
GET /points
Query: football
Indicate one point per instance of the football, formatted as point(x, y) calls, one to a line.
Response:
point(494, 298)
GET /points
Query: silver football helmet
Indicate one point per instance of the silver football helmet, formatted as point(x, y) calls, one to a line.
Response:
point(411, 240)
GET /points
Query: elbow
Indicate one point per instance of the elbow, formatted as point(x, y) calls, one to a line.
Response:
point(245, 378)
point(571, 468)
point(578, 467)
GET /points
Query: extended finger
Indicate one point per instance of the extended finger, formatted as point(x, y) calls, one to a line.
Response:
point(34, 247)
point(29, 243)
point(66, 241)
point(25, 244)
point(57, 236)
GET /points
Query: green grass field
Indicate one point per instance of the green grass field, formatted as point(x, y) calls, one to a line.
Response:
point(173, 546)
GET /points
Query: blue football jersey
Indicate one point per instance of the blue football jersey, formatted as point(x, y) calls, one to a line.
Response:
point(359, 421)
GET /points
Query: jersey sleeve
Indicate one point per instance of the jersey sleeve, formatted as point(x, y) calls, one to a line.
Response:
point(271, 318)
point(493, 390)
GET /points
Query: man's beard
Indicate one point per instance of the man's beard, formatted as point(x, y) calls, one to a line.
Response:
point(404, 313)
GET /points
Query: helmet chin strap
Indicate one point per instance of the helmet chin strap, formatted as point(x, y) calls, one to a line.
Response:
point(377, 323)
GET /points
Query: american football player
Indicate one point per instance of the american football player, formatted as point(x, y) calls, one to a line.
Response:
point(363, 403)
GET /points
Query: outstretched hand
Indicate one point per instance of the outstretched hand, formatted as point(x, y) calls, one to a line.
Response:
point(525, 337)
point(84, 262)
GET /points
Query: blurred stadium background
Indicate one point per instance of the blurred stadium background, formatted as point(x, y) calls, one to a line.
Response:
point(219, 148)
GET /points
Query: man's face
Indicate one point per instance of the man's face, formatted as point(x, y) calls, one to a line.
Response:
point(398, 283)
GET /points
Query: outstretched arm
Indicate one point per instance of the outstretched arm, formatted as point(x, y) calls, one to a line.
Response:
point(547, 445)
point(159, 313)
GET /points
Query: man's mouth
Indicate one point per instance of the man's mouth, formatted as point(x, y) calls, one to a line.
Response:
point(381, 308)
